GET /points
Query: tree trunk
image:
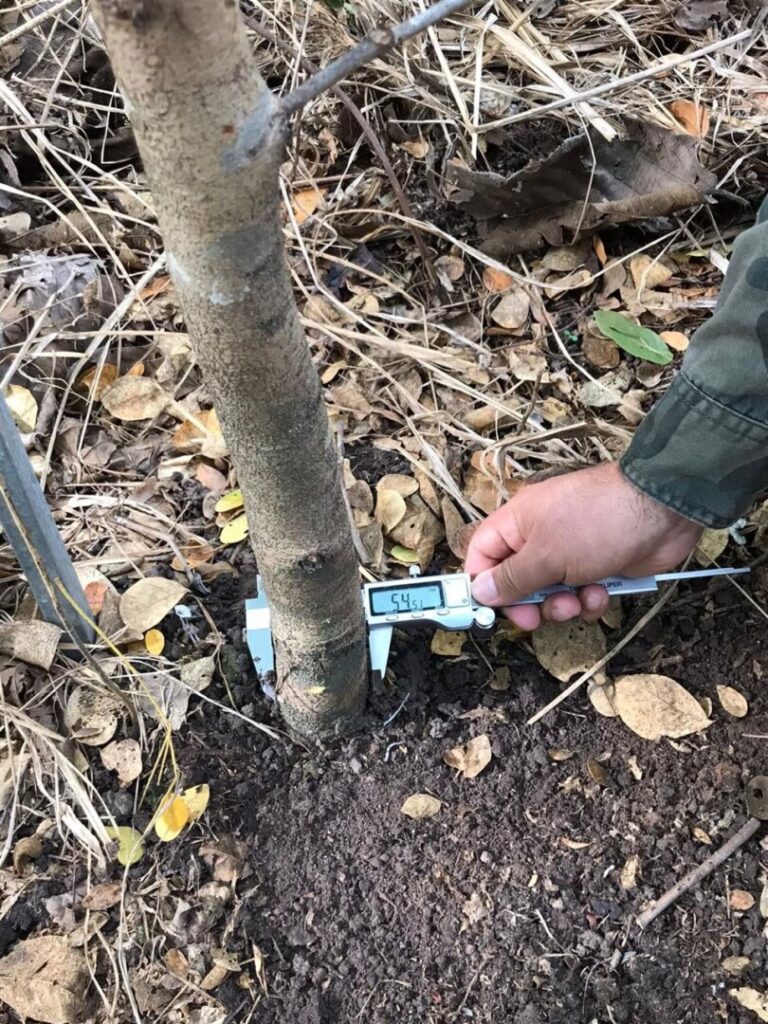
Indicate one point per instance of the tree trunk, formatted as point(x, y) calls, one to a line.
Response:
point(212, 142)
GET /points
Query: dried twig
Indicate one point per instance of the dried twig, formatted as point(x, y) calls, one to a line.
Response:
point(700, 872)
point(376, 45)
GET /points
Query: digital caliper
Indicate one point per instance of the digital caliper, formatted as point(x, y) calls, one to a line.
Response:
point(444, 601)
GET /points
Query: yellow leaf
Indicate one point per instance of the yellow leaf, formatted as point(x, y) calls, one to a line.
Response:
point(196, 798)
point(448, 642)
point(692, 116)
point(421, 805)
point(130, 843)
point(497, 281)
point(172, 819)
point(154, 641)
point(566, 648)
point(235, 530)
point(229, 502)
point(97, 379)
point(305, 202)
point(22, 406)
point(315, 691)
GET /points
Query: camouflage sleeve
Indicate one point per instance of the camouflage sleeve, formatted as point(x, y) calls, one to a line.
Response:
point(703, 449)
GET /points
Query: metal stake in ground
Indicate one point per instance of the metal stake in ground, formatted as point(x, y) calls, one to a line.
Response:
point(31, 532)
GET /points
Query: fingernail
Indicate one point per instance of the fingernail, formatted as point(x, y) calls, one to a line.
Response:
point(593, 601)
point(484, 588)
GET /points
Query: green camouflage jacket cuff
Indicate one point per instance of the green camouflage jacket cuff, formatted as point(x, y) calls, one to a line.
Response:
point(698, 457)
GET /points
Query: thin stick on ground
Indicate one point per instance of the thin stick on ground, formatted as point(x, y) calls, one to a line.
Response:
point(700, 872)
point(376, 45)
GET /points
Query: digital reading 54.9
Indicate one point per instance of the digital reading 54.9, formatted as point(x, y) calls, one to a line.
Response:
point(418, 597)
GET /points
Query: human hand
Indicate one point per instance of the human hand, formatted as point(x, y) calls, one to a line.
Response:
point(573, 529)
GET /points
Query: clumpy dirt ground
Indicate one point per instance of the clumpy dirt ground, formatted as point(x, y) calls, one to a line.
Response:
point(485, 913)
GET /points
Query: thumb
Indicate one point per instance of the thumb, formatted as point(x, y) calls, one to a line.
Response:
point(516, 577)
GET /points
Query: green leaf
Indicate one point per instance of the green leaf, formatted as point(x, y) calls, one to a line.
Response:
point(130, 843)
point(335, 5)
point(638, 341)
point(401, 554)
point(235, 530)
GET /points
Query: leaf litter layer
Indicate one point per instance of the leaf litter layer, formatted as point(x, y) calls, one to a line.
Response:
point(465, 374)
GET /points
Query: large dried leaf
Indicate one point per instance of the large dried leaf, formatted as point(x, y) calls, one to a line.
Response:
point(697, 15)
point(567, 648)
point(448, 642)
point(91, 716)
point(32, 641)
point(692, 116)
point(513, 309)
point(22, 406)
point(752, 1000)
point(390, 509)
point(402, 483)
point(471, 758)
point(650, 173)
point(134, 398)
point(654, 706)
point(712, 543)
point(421, 805)
point(148, 601)
point(45, 979)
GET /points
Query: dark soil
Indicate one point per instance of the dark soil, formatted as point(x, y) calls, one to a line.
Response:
point(484, 913)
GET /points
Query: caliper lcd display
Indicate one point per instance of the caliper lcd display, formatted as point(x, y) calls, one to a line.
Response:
point(416, 597)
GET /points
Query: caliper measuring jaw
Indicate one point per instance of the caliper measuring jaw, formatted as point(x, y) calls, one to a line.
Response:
point(442, 601)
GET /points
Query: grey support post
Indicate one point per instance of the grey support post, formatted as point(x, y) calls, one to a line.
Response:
point(31, 532)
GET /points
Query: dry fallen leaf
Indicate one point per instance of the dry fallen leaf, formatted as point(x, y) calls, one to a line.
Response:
point(91, 717)
point(33, 641)
point(416, 147)
point(575, 844)
point(753, 1000)
point(123, 757)
point(732, 701)
point(190, 435)
point(210, 478)
point(701, 836)
point(390, 508)
point(597, 772)
point(22, 406)
point(421, 805)
point(26, 849)
point(46, 979)
point(629, 872)
point(134, 398)
point(647, 272)
point(692, 116)
point(565, 648)
point(176, 962)
point(512, 310)
point(148, 601)
point(500, 680)
point(712, 544)
point(497, 281)
point(103, 896)
point(741, 900)
point(654, 706)
point(601, 697)
point(527, 362)
point(559, 754)
point(764, 899)
point(676, 340)
point(472, 758)
point(305, 202)
point(457, 532)
point(181, 810)
point(473, 910)
point(194, 553)
point(735, 964)
point(402, 483)
point(97, 379)
point(448, 642)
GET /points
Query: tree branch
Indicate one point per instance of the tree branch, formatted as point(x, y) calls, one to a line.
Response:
point(376, 45)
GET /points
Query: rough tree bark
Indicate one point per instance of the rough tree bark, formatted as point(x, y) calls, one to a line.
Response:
point(212, 140)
